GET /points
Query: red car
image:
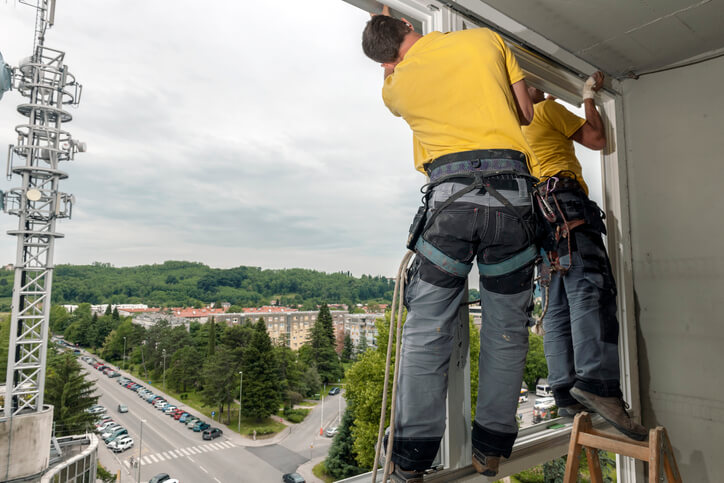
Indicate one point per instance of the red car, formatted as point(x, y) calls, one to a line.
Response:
point(178, 416)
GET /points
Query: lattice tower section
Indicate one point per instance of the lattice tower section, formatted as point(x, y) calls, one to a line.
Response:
point(42, 144)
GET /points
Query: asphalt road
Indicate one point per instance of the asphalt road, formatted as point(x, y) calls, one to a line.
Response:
point(169, 447)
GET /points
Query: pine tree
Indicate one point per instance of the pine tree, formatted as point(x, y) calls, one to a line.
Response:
point(70, 394)
point(348, 350)
point(362, 346)
point(115, 314)
point(212, 337)
point(321, 345)
point(260, 396)
point(341, 462)
point(109, 311)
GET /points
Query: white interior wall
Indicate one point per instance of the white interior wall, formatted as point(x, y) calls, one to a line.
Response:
point(675, 141)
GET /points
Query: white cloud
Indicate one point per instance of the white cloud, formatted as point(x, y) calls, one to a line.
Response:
point(224, 135)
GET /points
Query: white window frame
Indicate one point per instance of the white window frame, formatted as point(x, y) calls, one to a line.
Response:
point(553, 72)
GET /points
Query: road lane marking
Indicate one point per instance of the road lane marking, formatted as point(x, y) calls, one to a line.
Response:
point(215, 446)
point(191, 459)
point(186, 453)
point(217, 480)
point(153, 457)
point(165, 453)
point(225, 445)
point(128, 465)
point(160, 456)
point(203, 469)
point(145, 460)
point(203, 449)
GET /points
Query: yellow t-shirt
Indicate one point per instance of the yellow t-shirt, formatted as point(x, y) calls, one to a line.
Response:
point(454, 91)
point(549, 136)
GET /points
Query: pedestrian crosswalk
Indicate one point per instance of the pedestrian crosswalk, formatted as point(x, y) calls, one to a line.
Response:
point(182, 452)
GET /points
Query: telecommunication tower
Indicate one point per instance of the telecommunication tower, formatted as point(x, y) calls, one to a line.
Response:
point(42, 144)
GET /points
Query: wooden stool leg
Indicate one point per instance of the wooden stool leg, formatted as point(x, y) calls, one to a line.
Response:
point(670, 466)
point(581, 422)
point(594, 465)
point(655, 455)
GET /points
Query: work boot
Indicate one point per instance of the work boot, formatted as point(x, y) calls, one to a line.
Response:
point(572, 410)
point(613, 410)
point(485, 464)
point(399, 475)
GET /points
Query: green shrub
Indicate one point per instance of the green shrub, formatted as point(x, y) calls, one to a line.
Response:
point(295, 415)
point(532, 475)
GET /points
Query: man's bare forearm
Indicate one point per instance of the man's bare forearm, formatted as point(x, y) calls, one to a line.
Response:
point(593, 117)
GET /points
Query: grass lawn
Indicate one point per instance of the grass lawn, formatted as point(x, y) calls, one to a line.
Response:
point(320, 471)
point(264, 428)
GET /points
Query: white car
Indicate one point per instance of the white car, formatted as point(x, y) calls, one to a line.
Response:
point(106, 426)
point(169, 409)
point(544, 402)
point(121, 444)
point(161, 405)
point(108, 432)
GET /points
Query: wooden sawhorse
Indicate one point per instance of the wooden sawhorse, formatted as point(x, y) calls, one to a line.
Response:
point(655, 450)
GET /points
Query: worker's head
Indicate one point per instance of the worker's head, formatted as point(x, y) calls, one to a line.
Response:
point(386, 39)
point(536, 95)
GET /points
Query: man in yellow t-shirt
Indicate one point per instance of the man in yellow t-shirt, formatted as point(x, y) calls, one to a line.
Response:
point(464, 97)
point(581, 328)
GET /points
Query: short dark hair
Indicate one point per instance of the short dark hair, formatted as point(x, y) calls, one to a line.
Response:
point(382, 38)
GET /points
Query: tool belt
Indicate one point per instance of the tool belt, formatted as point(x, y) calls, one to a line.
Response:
point(484, 170)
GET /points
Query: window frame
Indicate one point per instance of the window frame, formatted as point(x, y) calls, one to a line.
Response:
point(560, 73)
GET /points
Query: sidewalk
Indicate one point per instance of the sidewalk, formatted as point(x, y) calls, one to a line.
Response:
point(306, 470)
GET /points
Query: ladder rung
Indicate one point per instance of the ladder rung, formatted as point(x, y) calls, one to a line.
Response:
point(614, 445)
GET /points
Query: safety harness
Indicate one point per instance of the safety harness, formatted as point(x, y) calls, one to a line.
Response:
point(482, 169)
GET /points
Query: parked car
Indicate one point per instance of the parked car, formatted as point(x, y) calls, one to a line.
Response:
point(121, 444)
point(335, 390)
point(211, 433)
point(106, 428)
point(97, 409)
point(185, 418)
point(122, 408)
point(191, 422)
point(159, 478)
point(105, 424)
point(544, 402)
point(331, 432)
point(176, 412)
point(116, 434)
point(169, 409)
point(180, 415)
point(114, 374)
point(292, 478)
point(201, 426)
point(543, 389)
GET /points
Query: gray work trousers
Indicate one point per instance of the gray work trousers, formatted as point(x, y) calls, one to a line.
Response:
point(476, 225)
point(581, 327)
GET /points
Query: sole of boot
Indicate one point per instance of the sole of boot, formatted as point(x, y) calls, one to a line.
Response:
point(636, 436)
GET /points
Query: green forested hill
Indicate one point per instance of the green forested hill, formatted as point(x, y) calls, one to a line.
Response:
point(175, 284)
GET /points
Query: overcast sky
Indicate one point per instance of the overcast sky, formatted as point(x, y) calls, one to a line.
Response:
point(223, 134)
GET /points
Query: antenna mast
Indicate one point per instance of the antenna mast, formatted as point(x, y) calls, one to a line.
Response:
point(42, 143)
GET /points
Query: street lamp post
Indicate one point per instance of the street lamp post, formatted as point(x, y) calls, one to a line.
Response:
point(140, 452)
point(124, 353)
point(164, 370)
point(241, 382)
point(321, 418)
